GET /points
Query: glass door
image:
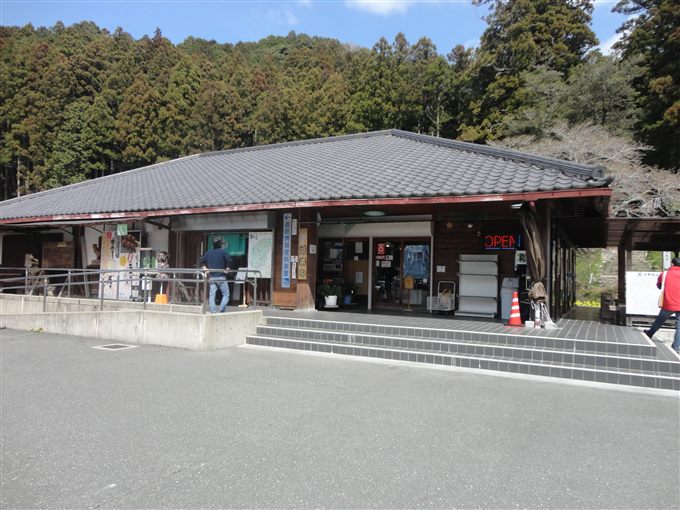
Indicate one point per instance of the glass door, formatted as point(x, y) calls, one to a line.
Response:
point(401, 274)
point(416, 274)
point(387, 279)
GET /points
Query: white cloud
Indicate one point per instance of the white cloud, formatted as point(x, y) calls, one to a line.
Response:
point(606, 46)
point(282, 16)
point(304, 2)
point(382, 7)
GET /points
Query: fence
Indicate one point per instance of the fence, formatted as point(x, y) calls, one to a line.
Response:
point(186, 285)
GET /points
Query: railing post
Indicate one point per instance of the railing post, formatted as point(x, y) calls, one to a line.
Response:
point(26, 282)
point(101, 294)
point(197, 288)
point(172, 291)
point(68, 284)
point(45, 280)
point(145, 288)
point(255, 291)
point(205, 292)
point(117, 285)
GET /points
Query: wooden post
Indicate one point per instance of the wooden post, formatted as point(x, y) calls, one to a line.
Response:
point(621, 308)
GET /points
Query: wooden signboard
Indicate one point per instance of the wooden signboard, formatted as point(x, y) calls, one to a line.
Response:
point(57, 254)
point(302, 255)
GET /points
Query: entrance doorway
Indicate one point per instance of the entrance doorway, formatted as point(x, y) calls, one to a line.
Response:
point(402, 273)
point(344, 263)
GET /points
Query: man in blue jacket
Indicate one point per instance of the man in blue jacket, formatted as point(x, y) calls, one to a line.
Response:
point(217, 258)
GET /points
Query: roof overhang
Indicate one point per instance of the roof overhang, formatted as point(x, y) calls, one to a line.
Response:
point(372, 202)
point(646, 234)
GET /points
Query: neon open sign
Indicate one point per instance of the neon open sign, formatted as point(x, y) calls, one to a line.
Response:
point(501, 241)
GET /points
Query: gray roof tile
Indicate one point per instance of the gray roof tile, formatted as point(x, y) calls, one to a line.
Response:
point(380, 164)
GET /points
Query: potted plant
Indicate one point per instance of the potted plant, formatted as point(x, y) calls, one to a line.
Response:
point(330, 292)
point(348, 290)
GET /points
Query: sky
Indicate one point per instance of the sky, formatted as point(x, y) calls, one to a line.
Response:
point(357, 22)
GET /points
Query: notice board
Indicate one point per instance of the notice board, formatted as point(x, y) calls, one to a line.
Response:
point(642, 295)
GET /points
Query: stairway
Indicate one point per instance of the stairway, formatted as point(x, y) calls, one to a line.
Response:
point(640, 363)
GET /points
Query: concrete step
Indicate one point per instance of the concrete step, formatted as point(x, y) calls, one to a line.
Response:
point(510, 337)
point(630, 377)
point(480, 349)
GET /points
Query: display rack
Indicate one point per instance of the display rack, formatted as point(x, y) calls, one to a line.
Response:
point(478, 285)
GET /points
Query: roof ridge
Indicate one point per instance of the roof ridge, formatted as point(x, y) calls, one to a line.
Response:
point(293, 143)
point(579, 169)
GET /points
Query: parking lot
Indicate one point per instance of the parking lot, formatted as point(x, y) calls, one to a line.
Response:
point(246, 427)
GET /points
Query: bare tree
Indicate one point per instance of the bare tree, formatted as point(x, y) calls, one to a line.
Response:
point(639, 190)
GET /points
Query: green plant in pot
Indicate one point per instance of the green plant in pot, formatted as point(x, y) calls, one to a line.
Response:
point(330, 292)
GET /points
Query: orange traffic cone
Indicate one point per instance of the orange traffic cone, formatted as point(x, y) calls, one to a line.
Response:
point(515, 319)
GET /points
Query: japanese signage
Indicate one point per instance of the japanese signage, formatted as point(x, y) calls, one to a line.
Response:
point(285, 259)
point(302, 254)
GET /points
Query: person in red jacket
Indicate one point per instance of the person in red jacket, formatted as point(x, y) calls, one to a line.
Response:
point(671, 303)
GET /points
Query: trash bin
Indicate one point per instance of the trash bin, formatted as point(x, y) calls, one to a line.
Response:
point(508, 288)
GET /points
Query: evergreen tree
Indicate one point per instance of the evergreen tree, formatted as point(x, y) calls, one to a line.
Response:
point(218, 117)
point(71, 155)
point(652, 35)
point(521, 36)
point(600, 91)
point(138, 125)
point(176, 115)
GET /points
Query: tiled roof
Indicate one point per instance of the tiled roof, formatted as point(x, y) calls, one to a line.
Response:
point(383, 164)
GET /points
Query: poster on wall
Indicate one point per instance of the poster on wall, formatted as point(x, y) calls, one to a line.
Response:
point(417, 261)
point(285, 259)
point(109, 257)
point(260, 253)
point(123, 282)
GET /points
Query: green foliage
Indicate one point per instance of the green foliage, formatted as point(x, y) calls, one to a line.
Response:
point(80, 102)
point(522, 35)
point(138, 124)
point(651, 35)
point(589, 285)
point(598, 91)
point(329, 288)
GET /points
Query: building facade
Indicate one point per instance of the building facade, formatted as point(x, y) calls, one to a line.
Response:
point(399, 221)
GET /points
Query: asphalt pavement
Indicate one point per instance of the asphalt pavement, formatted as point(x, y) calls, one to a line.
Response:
point(154, 427)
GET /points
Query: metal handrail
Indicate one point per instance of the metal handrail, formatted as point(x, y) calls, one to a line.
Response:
point(36, 278)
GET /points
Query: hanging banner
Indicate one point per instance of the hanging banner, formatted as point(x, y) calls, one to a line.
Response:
point(302, 255)
point(285, 259)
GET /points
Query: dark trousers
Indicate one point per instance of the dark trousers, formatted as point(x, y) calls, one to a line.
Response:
point(660, 320)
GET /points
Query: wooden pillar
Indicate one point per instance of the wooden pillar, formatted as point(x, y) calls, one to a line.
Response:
point(306, 288)
point(624, 254)
point(545, 225)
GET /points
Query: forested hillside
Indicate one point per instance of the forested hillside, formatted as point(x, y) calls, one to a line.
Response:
point(80, 102)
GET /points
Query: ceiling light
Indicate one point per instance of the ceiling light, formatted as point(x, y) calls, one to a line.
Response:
point(373, 214)
point(518, 205)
